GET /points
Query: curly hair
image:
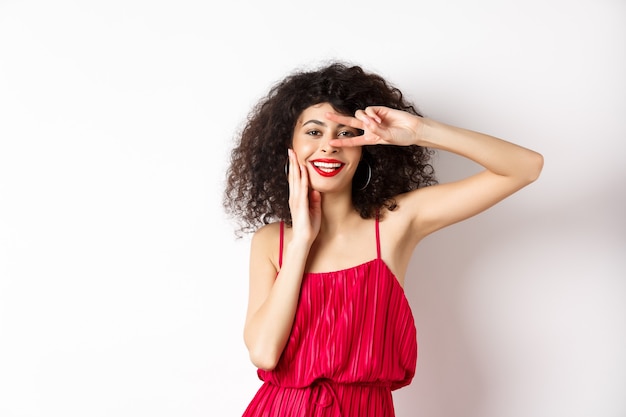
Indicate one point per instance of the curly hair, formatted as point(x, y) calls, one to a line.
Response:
point(257, 191)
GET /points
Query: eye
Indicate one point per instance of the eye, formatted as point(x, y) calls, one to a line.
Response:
point(313, 132)
point(347, 134)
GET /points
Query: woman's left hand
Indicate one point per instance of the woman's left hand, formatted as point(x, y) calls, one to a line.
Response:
point(381, 126)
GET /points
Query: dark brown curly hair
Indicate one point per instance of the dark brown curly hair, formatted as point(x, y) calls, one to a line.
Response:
point(257, 191)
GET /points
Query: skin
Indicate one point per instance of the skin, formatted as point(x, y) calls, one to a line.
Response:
point(328, 234)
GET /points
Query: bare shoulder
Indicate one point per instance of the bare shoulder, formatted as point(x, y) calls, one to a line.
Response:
point(266, 243)
point(404, 219)
point(267, 232)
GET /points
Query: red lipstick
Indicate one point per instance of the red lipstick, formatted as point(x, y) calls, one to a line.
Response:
point(327, 167)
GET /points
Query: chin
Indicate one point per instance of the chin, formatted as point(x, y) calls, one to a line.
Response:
point(327, 189)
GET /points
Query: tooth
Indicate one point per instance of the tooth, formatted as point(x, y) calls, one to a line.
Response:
point(327, 164)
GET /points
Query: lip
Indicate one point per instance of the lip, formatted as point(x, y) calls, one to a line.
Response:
point(327, 167)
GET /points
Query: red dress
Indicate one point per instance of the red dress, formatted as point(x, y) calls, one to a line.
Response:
point(353, 341)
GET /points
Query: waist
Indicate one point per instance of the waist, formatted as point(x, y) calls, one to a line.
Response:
point(339, 398)
point(333, 383)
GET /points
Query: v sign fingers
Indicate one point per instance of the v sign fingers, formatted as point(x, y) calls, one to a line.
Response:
point(381, 126)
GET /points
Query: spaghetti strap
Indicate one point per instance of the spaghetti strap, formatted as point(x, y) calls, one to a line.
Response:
point(377, 238)
point(280, 253)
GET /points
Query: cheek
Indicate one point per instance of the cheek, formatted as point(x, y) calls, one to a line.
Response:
point(303, 149)
point(354, 154)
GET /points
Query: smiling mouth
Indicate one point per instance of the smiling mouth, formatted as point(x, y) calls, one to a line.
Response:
point(327, 169)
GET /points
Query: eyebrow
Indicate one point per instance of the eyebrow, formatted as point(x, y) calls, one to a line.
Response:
point(314, 121)
point(320, 123)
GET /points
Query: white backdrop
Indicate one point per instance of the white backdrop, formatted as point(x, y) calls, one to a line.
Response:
point(122, 286)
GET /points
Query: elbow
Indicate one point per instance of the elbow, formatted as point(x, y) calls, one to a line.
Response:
point(535, 166)
point(538, 166)
point(263, 359)
point(263, 354)
point(264, 347)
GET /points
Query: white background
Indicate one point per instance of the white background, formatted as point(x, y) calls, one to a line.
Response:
point(123, 288)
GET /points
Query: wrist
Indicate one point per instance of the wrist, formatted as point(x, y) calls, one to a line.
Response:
point(423, 130)
point(298, 247)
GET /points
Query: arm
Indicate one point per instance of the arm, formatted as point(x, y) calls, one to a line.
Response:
point(508, 167)
point(273, 298)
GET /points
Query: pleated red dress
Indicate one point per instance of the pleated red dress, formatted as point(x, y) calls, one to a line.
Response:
point(353, 341)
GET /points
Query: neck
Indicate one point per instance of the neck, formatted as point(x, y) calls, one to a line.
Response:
point(336, 211)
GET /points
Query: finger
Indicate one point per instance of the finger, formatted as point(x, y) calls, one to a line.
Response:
point(350, 142)
point(315, 203)
point(299, 184)
point(363, 140)
point(371, 112)
point(290, 166)
point(294, 174)
point(364, 117)
point(304, 185)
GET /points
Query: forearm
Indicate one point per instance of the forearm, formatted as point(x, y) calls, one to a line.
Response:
point(268, 329)
point(496, 155)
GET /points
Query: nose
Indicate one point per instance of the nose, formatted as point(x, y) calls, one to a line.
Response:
point(327, 148)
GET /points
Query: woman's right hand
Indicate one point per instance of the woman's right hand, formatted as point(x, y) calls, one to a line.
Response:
point(304, 202)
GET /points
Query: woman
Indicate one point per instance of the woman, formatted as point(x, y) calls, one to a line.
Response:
point(331, 172)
